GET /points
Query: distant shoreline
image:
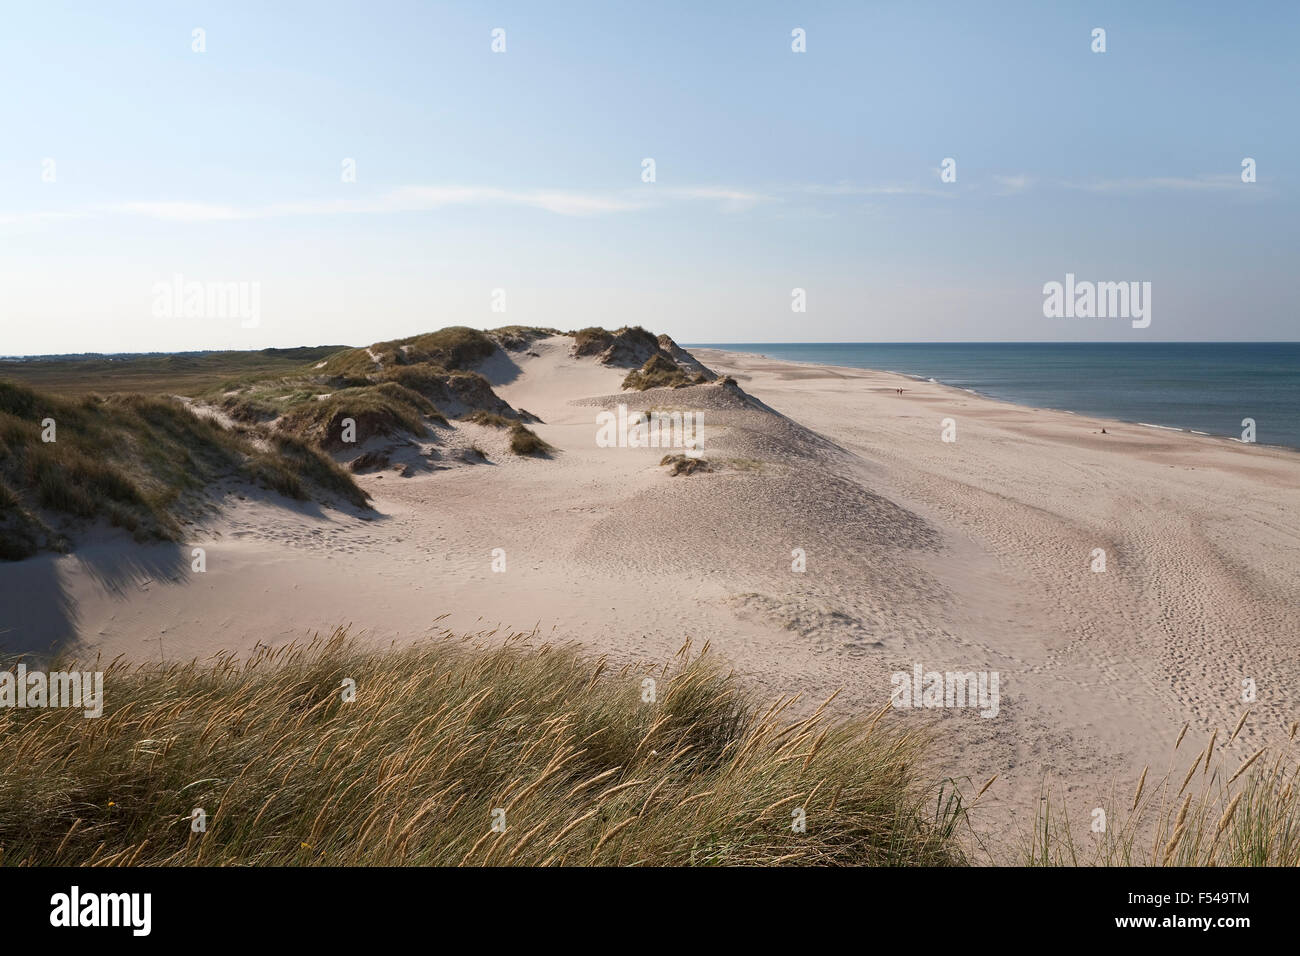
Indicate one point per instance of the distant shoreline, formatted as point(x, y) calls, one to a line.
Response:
point(1290, 440)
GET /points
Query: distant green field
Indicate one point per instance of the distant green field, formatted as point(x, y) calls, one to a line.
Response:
point(182, 373)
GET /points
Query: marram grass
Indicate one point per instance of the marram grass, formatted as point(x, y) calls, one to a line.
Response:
point(1200, 813)
point(439, 736)
point(135, 462)
point(442, 735)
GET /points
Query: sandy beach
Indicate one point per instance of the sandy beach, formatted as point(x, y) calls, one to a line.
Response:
point(974, 555)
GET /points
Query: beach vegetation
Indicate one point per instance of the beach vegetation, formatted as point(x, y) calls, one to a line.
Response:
point(457, 755)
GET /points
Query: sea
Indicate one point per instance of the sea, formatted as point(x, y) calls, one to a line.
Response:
point(1204, 387)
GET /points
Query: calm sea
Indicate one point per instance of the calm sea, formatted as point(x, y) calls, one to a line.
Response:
point(1200, 386)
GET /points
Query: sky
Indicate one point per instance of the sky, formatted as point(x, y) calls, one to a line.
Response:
point(502, 188)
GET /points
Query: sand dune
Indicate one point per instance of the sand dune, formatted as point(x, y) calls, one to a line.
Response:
point(965, 556)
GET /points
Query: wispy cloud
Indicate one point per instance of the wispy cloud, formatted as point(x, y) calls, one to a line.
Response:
point(868, 189)
point(1013, 184)
point(408, 199)
point(588, 203)
point(1158, 183)
point(14, 218)
point(404, 199)
point(732, 200)
point(176, 211)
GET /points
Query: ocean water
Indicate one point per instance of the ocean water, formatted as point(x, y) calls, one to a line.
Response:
point(1197, 386)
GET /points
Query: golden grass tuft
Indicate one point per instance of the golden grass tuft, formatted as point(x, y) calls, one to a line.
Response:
point(525, 441)
point(1250, 819)
point(439, 736)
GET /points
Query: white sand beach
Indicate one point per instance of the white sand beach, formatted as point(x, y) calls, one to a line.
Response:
point(972, 555)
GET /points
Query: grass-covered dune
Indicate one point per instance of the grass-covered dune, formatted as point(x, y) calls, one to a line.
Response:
point(438, 377)
point(654, 362)
point(376, 409)
point(132, 461)
point(139, 460)
point(135, 460)
point(456, 347)
point(396, 388)
point(661, 372)
point(581, 764)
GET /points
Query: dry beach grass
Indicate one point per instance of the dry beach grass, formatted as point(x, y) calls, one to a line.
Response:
point(586, 764)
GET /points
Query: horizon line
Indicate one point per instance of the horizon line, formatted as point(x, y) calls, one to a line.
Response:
point(285, 348)
point(1010, 342)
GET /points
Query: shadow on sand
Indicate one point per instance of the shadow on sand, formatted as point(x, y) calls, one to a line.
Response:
point(38, 611)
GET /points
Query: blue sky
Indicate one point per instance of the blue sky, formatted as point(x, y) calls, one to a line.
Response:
point(521, 170)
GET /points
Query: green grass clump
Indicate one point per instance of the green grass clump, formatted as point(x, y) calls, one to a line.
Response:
point(22, 534)
point(624, 341)
point(124, 459)
point(439, 736)
point(491, 419)
point(591, 341)
point(428, 380)
point(456, 348)
point(68, 480)
point(19, 402)
point(659, 371)
point(524, 441)
point(383, 409)
point(249, 411)
point(293, 467)
point(311, 466)
point(519, 337)
point(442, 386)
